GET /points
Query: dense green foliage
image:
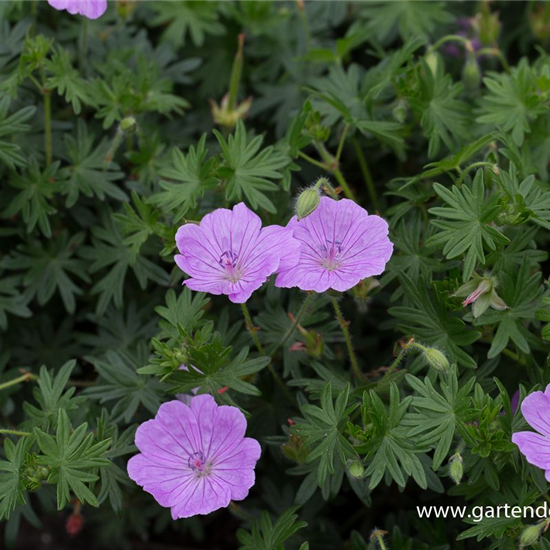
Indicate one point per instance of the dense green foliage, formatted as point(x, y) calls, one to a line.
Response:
point(108, 143)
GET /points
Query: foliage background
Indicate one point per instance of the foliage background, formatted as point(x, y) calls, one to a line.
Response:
point(448, 141)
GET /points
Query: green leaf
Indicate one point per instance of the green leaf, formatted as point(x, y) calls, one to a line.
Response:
point(52, 396)
point(249, 170)
point(120, 382)
point(265, 535)
point(72, 458)
point(190, 177)
point(89, 173)
point(12, 490)
point(66, 80)
point(11, 301)
point(322, 430)
point(467, 227)
point(10, 125)
point(49, 268)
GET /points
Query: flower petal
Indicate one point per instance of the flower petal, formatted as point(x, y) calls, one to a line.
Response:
point(535, 448)
point(536, 410)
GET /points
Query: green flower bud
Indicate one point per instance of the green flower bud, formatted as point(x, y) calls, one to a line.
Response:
point(436, 359)
point(128, 125)
point(488, 25)
point(456, 470)
point(433, 60)
point(307, 202)
point(356, 469)
point(400, 111)
point(531, 534)
point(471, 75)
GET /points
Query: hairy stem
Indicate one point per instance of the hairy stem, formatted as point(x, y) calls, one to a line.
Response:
point(23, 378)
point(48, 126)
point(14, 432)
point(345, 330)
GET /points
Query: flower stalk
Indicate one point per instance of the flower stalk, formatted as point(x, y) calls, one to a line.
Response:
point(345, 330)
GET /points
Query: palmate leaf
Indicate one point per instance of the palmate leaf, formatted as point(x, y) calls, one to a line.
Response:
point(443, 116)
point(513, 101)
point(50, 267)
point(265, 535)
point(72, 458)
point(438, 416)
point(467, 229)
point(110, 251)
point(430, 322)
point(410, 19)
point(10, 125)
point(186, 181)
point(249, 169)
point(89, 173)
point(11, 300)
point(52, 395)
point(322, 430)
point(120, 382)
point(388, 448)
point(12, 490)
point(36, 190)
point(196, 19)
point(64, 78)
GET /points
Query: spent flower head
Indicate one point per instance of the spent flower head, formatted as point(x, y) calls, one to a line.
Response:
point(195, 459)
point(481, 291)
point(229, 252)
point(340, 246)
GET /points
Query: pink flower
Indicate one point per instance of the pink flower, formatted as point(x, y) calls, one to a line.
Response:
point(340, 246)
point(195, 459)
point(92, 9)
point(229, 252)
point(536, 446)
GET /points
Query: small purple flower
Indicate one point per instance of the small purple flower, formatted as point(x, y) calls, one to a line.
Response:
point(92, 9)
point(536, 446)
point(340, 246)
point(229, 252)
point(195, 459)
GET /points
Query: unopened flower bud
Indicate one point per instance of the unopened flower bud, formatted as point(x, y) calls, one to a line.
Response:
point(532, 533)
point(400, 111)
point(307, 202)
point(436, 359)
point(74, 524)
point(128, 125)
point(487, 25)
point(433, 60)
point(356, 469)
point(456, 470)
point(471, 75)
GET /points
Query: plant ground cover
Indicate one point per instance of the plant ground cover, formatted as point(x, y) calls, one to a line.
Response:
point(314, 379)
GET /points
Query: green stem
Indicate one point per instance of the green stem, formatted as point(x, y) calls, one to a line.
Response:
point(312, 161)
point(14, 432)
point(83, 47)
point(252, 330)
point(23, 378)
point(305, 22)
point(48, 126)
point(471, 167)
point(450, 38)
point(381, 542)
point(497, 53)
point(366, 173)
point(291, 330)
point(341, 144)
point(345, 330)
point(397, 362)
point(236, 73)
point(332, 165)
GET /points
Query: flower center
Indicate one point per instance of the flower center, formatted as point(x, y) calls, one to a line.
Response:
point(228, 260)
point(198, 463)
point(332, 251)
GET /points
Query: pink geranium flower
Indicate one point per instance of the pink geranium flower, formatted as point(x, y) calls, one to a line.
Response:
point(92, 9)
point(340, 246)
point(536, 446)
point(195, 459)
point(229, 252)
